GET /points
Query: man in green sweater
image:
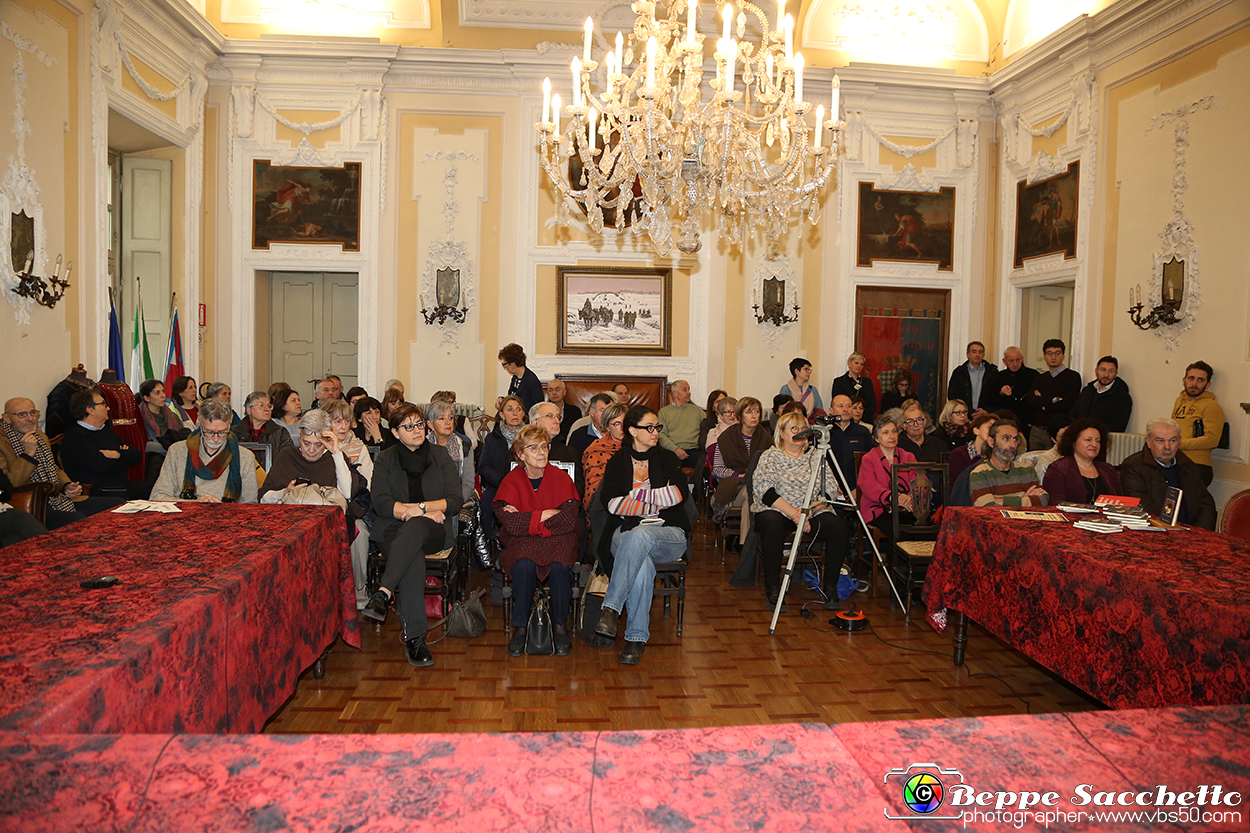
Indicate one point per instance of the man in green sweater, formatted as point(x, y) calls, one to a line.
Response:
point(1001, 481)
point(1200, 417)
point(680, 419)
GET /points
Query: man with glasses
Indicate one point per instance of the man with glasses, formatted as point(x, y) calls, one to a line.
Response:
point(93, 453)
point(1000, 480)
point(1055, 391)
point(569, 413)
point(209, 466)
point(26, 457)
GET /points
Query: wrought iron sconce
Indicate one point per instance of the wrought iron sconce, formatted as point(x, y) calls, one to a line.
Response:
point(442, 312)
point(776, 315)
point(45, 293)
point(1163, 315)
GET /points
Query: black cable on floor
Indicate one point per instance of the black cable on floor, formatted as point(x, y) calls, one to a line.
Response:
point(143, 799)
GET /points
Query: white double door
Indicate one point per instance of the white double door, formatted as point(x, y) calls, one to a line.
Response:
point(313, 317)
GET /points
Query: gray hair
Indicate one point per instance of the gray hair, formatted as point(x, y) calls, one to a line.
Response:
point(214, 411)
point(1161, 422)
point(215, 388)
point(890, 417)
point(606, 397)
point(437, 409)
point(537, 408)
point(315, 421)
point(727, 402)
point(393, 383)
point(253, 396)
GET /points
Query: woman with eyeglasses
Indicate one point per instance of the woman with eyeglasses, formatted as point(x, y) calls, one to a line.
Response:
point(875, 485)
point(538, 511)
point(259, 427)
point(974, 451)
point(726, 415)
point(799, 388)
point(898, 391)
point(319, 460)
point(644, 492)
point(209, 466)
point(496, 459)
point(736, 449)
point(416, 494)
point(340, 413)
point(916, 439)
point(779, 486)
point(595, 457)
point(954, 426)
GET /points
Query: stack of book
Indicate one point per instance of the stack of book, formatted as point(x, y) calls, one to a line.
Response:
point(1129, 517)
point(1098, 526)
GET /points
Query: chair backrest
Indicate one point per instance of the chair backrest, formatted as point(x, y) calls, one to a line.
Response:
point(961, 491)
point(33, 499)
point(261, 452)
point(1235, 519)
point(921, 470)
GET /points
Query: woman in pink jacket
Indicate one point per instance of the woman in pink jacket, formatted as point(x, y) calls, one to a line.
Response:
point(874, 477)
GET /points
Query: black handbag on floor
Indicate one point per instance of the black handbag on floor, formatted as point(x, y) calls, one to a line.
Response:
point(539, 640)
point(591, 610)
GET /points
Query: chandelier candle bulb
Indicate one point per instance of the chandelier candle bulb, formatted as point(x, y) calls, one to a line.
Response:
point(798, 81)
point(56, 270)
point(620, 52)
point(651, 62)
point(590, 30)
point(728, 14)
point(781, 13)
point(30, 261)
point(820, 126)
point(787, 26)
point(576, 66)
point(691, 21)
point(833, 104)
point(731, 58)
point(591, 117)
point(546, 100)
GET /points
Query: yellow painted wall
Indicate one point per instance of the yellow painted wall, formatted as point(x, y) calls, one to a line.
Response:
point(208, 241)
point(898, 161)
point(155, 80)
point(316, 138)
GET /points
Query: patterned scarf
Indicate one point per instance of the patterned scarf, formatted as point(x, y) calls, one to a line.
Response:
point(45, 467)
point(227, 456)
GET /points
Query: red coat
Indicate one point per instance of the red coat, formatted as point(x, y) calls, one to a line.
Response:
point(523, 535)
point(125, 421)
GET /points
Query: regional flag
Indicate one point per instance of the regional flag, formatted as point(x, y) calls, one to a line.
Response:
point(117, 359)
point(173, 356)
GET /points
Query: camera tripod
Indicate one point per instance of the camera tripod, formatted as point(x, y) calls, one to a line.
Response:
point(824, 453)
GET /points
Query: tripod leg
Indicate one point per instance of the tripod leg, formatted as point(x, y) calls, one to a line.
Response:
point(794, 548)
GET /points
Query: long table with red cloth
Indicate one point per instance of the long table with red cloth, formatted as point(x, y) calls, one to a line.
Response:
point(1134, 618)
point(220, 609)
point(780, 778)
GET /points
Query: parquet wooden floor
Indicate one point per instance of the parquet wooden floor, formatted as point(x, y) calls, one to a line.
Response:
point(725, 670)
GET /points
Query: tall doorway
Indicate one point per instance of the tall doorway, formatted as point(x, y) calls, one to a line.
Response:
point(1046, 314)
point(313, 327)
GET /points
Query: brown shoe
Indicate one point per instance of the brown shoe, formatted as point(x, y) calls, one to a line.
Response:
point(631, 654)
point(607, 623)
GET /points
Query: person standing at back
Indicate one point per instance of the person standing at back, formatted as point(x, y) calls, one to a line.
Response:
point(1200, 417)
point(1054, 391)
point(1106, 398)
point(1014, 383)
point(854, 383)
point(975, 381)
point(524, 383)
point(679, 431)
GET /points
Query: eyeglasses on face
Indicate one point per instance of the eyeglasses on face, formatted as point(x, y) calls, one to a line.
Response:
point(1054, 352)
point(24, 414)
point(916, 420)
point(413, 426)
point(538, 447)
point(654, 429)
point(959, 412)
point(616, 423)
point(98, 404)
point(215, 434)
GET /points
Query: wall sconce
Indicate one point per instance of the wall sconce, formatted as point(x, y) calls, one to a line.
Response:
point(776, 315)
point(442, 312)
point(1164, 315)
point(45, 293)
point(774, 303)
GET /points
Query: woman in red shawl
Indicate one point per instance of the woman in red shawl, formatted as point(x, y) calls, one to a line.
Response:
point(537, 507)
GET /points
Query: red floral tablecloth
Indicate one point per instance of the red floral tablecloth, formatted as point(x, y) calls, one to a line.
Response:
point(219, 610)
point(1133, 618)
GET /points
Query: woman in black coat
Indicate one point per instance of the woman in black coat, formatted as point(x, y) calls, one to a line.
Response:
point(496, 459)
point(416, 494)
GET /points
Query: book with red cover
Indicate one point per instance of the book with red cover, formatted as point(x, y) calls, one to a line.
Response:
point(1116, 500)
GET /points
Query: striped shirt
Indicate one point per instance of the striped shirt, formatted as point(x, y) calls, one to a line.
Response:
point(987, 483)
point(645, 502)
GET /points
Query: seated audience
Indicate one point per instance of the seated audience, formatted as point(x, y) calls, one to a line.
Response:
point(710, 417)
point(493, 465)
point(16, 526)
point(595, 458)
point(916, 439)
point(184, 401)
point(679, 423)
point(1041, 460)
point(1106, 398)
point(340, 414)
point(26, 457)
point(355, 394)
point(898, 391)
point(644, 491)
point(621, 391)
point(257, 427)
point(874, 480)
point(1000, 481)
point(547, 416)
point(976, 450)
point(1081, 473)
point(1148, 474)
point(857, 413)
point(538, 512)
point(286, 411)
point(569, 413)
point(368, 415)
point(158, 418)
point(440, 421)
point(779, 486)
point(416, 494)
point(311, 463)
point(209, 466)
point(736, 449)
point(954, 427)
point(856, 436)
point(1200, 418)
point(779, 402)
point(854, 383)
point(391, 400)
point(449, 396)
point(799, 388)
point(524, 383)
point(393, 384)
point(92, 453)
point(726, 416)
point(220, 391)
point(324, 392)
point(582, 436)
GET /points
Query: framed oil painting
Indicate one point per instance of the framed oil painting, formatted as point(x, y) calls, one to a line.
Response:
point(914, 226)
point(306, 205)
point(614, 312)
point(1046, 216)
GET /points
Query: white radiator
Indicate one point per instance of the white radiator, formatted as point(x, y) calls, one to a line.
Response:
point(1121, 446)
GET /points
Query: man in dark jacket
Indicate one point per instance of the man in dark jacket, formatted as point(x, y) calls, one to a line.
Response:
point(1106, 397)
point(1014, 383)
point(1054, 391)
point(975, 382)
point(1147, 475)
point(93, 453)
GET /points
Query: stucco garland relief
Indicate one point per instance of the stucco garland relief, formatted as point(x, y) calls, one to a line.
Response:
point(1177, 236)
point(20, 192)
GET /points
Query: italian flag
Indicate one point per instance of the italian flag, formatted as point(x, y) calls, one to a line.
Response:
point(140, 358)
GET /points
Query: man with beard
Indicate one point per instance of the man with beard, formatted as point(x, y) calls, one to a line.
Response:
point(1106, 398)
point(1001, 481)
point(1200, 417)
point(209, 466)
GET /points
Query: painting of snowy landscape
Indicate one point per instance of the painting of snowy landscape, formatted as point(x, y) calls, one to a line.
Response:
point(614, 311)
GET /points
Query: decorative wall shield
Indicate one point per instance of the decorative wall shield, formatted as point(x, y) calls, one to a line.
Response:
point(447, 287)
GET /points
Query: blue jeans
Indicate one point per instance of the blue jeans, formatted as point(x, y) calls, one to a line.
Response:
point(635, 554)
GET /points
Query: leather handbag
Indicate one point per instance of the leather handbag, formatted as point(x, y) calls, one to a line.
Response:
point(539, 639)
point(310, 494)
point(591, 610)
point(467, 619)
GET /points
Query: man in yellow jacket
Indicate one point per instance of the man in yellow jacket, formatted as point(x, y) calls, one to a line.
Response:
point(1200, 417)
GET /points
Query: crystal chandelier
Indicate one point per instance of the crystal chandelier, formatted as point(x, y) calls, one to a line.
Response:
point(647, 149)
